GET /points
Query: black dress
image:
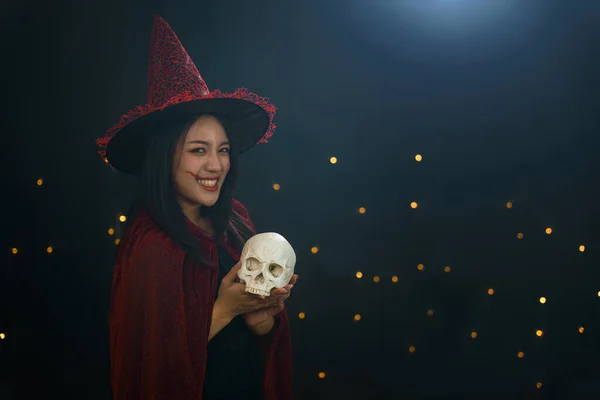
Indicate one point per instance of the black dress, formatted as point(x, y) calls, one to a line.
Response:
point(234, 369)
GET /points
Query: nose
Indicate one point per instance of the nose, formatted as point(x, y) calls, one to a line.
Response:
point(213, 163)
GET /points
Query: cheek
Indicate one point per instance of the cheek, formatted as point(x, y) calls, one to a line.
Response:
point(182, 182)
point(183, 179)
point(226, 166)
point(189, 162)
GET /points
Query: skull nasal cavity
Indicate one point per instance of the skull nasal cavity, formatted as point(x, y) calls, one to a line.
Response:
point(276, 270)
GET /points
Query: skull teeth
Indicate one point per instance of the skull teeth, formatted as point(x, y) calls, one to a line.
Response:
point(257, 291)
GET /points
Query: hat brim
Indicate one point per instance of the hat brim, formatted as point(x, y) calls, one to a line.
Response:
point(247, 124)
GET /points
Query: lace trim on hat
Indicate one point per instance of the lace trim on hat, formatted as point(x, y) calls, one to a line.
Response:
point(140, 111)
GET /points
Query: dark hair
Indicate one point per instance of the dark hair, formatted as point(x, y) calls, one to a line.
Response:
point(158, 193)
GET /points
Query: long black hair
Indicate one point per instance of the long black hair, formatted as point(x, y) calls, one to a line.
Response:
point(158, 193)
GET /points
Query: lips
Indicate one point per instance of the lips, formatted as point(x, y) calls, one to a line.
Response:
point(211, 187)
point(206, 182)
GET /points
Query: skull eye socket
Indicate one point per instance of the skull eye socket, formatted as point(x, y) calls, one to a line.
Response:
point(276, 270)
point(252, 264)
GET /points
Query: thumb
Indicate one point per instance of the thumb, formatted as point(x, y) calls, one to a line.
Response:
point(232, 274)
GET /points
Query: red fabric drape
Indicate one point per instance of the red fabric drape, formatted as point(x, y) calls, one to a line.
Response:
point(161, 309)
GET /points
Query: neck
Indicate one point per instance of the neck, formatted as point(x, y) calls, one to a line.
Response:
point(191, 211)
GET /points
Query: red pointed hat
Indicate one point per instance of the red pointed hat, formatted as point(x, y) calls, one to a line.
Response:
point(175, 87)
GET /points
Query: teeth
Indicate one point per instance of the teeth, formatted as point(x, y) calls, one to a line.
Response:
point(257, 291)
point(208, 183)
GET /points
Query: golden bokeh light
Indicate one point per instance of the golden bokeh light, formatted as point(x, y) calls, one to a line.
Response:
point(276, 186)
point(117, 241)
point(333, 160)
point(301, 315)
point(543, 300)
point(430, 313)
point(2, 336)
point(520, 354)
point(509, 204)
point(548, 230)
point(538, 385)
point(473, 334)
point(49, 249)
point(14, 250)
point(376, 279)
point(122, 218)
point(447, 268)
point(395, 279)
point(40, 182)
point(362, 210)
point(414, 204)
point(491, 291)
point(421, 267)
point(359, 274)
point(111, 231)
point(357, 317)
point(539, 333)
point(519, 235)
point(321, 375)
point(418, 157)
point(581, 329)
point(582, 248)
point(411, 349)
point(314, 249)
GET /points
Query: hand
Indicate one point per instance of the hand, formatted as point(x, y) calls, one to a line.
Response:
point(234, 300)
point(260, 316)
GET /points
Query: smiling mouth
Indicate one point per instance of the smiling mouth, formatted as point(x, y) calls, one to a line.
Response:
point(208, 183)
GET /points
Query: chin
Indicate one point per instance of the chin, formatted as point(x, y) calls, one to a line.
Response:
point(206, 201)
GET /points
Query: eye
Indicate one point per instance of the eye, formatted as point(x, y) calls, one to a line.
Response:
point(276, 270)
point(198, 150)
point(224, 150)
point(252, 264)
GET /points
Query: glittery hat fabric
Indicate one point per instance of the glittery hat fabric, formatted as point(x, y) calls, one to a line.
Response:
point(176, 88)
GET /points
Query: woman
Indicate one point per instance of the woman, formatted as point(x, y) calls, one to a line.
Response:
point(181, 324)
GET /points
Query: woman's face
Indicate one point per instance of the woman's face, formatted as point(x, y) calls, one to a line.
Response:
point(201, 164)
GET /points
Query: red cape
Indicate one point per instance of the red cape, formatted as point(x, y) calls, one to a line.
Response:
point(160, 315)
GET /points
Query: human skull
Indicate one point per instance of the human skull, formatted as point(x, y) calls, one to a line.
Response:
point(268, 262)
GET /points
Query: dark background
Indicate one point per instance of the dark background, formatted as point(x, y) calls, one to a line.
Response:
point(500, 97)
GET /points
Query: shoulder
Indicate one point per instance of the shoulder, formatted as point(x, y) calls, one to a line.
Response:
point(143, 239)
point(242, 213)
point(239, 208)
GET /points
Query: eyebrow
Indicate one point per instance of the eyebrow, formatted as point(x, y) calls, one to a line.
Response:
point(204, 142)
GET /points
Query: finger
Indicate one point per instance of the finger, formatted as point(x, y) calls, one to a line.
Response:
point(294, 279)
point(278, 291)
point(232, 274)
point(277, 308)
point(278, 299)
point(254, 296)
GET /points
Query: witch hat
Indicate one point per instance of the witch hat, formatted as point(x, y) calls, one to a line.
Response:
point(176, 88)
